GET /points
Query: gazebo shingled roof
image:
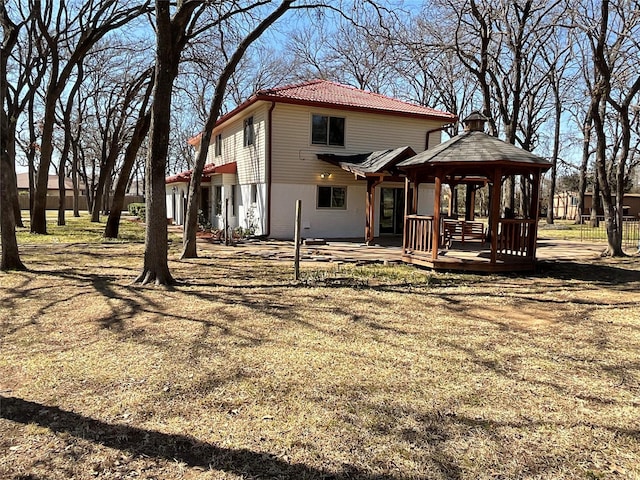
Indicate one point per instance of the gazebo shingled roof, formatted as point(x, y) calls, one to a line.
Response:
point(475, 147)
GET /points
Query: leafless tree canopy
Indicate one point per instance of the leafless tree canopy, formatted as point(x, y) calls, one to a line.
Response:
point(558, 78)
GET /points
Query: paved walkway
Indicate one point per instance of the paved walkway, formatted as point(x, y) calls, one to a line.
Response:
point(385, 251)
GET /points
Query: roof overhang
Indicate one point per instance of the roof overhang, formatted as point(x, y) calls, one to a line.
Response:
point(380, 163)
point(209, 170)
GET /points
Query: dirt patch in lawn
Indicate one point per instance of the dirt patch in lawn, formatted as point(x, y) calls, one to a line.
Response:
point(370, 372)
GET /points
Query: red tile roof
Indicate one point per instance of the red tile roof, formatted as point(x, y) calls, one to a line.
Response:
point(323, 93)
point(331, 94)
point(209, 169)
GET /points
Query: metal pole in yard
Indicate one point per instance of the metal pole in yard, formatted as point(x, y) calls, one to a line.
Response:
point(296, 239)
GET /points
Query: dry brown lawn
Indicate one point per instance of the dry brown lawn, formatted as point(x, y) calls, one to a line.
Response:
point(377, 372)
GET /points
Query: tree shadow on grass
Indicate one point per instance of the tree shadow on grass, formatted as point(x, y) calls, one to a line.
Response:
point(183, 448)
point(597, 272)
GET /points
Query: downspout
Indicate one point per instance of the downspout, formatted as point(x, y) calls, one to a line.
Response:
point(268, 167)
point(439, 129)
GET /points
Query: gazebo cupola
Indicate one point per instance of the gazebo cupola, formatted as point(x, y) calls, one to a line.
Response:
point(476, 159)
point(474, 122)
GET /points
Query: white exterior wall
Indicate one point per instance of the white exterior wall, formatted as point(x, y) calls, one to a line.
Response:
point(426, 199)
point(297, 170)
point(179, 196)
point(316, 223)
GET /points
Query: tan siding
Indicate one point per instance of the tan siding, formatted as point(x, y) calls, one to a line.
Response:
point(251, 160)
point(294, 158)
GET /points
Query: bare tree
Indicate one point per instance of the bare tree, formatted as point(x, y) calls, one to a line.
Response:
point(10, 259)
point(139, 133)
point(76, 31)
point(189, 238)
point(614, 49)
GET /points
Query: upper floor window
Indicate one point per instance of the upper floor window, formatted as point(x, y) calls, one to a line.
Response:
point(249, 132)
point(218, 151)
point(326, 130)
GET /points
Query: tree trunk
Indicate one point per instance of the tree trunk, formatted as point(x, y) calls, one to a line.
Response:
point(39, 213)
point(582, 185)
point(556, 150)
point(156, 267)
point(10, 259)
point(117, 204)
point(61, 189)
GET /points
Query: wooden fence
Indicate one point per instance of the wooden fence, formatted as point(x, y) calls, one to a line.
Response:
point(52, 202)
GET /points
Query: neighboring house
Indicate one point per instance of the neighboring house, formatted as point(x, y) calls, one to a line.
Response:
point(565, 205)
point(52, 185)
point(332, 146)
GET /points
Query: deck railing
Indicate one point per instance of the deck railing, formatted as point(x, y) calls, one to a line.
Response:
point(418, 236)
point(514, 237)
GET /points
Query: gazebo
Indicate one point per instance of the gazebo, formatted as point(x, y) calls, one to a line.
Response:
point(474, 159)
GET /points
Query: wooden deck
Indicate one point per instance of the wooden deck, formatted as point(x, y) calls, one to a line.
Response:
point(515, 249)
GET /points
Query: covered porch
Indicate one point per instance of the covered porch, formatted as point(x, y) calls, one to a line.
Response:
point(506, 241)
point(377, 169)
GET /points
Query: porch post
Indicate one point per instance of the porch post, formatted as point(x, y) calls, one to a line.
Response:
point(435, 243)
point(369, 228)
point(406, 212)
point(495, 213)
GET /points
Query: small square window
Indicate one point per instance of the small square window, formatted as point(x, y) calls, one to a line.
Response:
point(249, 132)
point(332, 197)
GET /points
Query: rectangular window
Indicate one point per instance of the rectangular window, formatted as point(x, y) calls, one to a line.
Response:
point(332, 197)
point(218, 152)
point(327, 130)
point(254, 193)
point(218, 199)
point(249, 132)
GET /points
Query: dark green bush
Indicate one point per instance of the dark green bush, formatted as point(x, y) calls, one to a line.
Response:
point(138, 210)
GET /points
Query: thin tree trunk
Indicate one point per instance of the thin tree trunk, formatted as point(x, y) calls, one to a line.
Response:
point(117, 204)
point(62, 187)
point(582, 185)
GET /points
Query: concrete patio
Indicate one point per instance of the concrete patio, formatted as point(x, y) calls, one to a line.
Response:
point(384, 250)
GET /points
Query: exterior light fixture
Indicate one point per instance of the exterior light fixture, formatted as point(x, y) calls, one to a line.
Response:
point(325, 175)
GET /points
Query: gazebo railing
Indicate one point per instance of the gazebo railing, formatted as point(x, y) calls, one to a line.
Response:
point(514, 237)
point(418, 236)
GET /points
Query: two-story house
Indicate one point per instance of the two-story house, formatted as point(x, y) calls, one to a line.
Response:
point(332, 146)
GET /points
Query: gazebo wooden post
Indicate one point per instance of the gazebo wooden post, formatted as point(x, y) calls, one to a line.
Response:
point(407, 211)
point(369, 229)
point(495, 213)
point(435, 243)
point(534, 212)
point(470, 203)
